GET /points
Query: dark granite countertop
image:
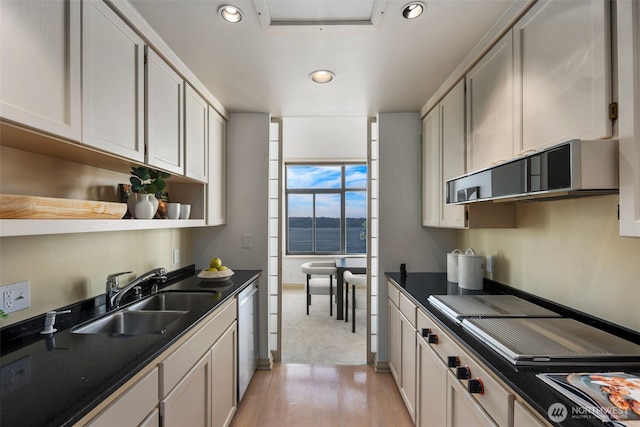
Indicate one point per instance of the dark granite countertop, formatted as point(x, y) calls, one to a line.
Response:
point(419, 286)
point(54, 380)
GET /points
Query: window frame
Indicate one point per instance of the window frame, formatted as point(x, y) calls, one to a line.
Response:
point(342, 191)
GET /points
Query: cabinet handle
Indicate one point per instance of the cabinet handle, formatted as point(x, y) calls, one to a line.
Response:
point(475, 386)
point(426, 332)
point(453, 361)
point(463, 373)
point(432, 338)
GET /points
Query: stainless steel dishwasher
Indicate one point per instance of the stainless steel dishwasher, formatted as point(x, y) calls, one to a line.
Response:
point(247, 336)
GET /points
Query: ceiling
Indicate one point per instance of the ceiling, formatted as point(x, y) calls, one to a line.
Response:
point(382, 62)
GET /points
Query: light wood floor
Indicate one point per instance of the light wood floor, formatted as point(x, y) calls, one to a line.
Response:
point(321, 395)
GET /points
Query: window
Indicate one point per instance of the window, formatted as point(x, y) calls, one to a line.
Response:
point(326, 207)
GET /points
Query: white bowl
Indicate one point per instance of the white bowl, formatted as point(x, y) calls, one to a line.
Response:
point(215, 275)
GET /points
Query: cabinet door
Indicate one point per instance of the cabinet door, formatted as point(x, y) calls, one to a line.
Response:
point(224, 390)
point(431, 388)
point(462, 409)
point(563, 72)
point(628, 21)
point(164, 120)
point(112, 83)
point(394, 331)
point(135, 405)
point(522, 417)
point(216, 189)
point(408, 369)
point(453, 153)
point(40, 57)
point(490, 137)
point(196, 111)
point(431, 189)
point(189, 404)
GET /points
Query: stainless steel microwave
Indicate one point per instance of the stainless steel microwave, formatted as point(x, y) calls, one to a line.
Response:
point(573, 168)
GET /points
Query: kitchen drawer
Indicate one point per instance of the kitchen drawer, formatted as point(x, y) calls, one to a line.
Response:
point(393, 293)
point(440, 342)
point(408, 309)
point(176, 366)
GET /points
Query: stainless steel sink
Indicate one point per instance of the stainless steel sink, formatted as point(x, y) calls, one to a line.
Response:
point(150, 315)
point(181, 301)
point(128, 322)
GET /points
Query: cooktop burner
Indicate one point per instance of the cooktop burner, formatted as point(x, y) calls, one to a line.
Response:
point(557, 341)
point(459, 307)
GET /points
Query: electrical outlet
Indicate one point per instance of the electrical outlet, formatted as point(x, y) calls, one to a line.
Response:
point(246, 241)
point(15, 297)
point(176, 256)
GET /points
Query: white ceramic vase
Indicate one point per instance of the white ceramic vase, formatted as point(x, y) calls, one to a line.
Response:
point(133, 200)
point(145, 208)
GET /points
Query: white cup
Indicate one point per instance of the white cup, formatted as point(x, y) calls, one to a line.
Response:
point(470, 270)
point(185, 211)
point(173, 210)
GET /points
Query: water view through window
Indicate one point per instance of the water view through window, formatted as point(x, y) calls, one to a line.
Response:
point(326, 209)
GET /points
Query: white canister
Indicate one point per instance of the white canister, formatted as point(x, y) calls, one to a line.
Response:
point(452, 265)
point(470, 270)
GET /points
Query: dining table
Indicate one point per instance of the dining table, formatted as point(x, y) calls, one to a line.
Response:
point(356, 265)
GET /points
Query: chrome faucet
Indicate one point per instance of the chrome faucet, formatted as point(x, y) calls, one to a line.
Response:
point(115, 293)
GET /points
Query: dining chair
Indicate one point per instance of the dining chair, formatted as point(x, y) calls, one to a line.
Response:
point(320, 285)
point(355, 280)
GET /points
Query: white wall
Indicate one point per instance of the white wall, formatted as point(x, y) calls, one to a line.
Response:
point(247, 202)
point(324, 138)
point(401, 238)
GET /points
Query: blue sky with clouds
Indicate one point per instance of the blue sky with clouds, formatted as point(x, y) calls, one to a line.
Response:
point(327, 177)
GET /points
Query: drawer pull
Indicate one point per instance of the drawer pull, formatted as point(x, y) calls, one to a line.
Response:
point(475, 386)
point(453, 361)
point(463, 373)
point(426, 331)
point(432, 338)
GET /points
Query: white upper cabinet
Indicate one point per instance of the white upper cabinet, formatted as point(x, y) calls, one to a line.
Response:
point(40, 57)
point(443, 157)
point(431, 189)
point(164, 115)
point(216, 207)
point(196, 130)
point(490, 116)
point(562, 69)
point(628, 13)
point(112, 83)
point(453, 152)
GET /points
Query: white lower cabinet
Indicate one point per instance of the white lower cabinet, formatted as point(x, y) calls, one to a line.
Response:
point(462, 409)
point(431, 387)
point(473, 395)
point(402, 346)
point(188, 403)
point(223, 378)
point(522, 417)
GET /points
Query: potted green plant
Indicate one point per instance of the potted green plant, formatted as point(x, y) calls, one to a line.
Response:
point(145, 183)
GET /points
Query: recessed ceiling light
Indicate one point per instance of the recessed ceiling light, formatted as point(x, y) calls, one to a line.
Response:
point(322, 76)
point(413, 10)
point(230, 13)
